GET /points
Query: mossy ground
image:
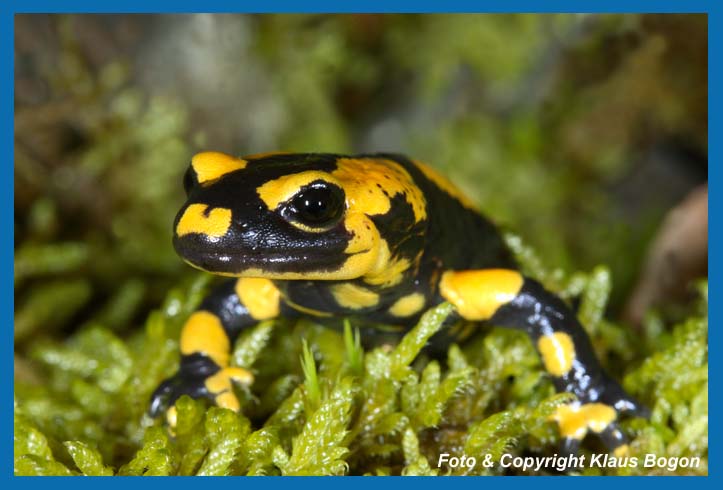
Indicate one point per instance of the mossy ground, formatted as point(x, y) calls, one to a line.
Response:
point(322, 406)
point(547, 128)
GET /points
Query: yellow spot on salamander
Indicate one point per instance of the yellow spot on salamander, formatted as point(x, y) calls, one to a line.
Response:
point(407, 305)
point(477, 294)
point(221, 381)
point(353, 296)
point(364, 234)
point(172, 416)
point(220, 385)
point(260, 296)
point(228, 400)
point(558, 353)
point(196, 219)
point(370, 183)
point(388, 271)
point(203, 333)
point(391, 275)
point(575, 420)
point(212, 165)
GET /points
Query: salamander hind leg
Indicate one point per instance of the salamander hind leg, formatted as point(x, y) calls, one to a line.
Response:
point(206, 342)
point(505, 298)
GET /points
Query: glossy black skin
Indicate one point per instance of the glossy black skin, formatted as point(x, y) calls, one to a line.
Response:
point(453, 237)
point(538, 312)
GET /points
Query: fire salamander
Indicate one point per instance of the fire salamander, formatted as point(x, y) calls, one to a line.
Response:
point(378, 238)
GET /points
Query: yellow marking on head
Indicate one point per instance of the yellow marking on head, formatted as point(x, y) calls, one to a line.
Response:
point(203, 333)
point(195, 220)
point(365, 181)
point(477, 294)
point(621, 451)
point(575, 420)
point(558, 353)
point(353, 296)
point(388, 271)
point(364, 234)
point(277, 191)
point(446, 185)
point(358, 264)
point(407, 305)
point(260, 296)
point(212, 165)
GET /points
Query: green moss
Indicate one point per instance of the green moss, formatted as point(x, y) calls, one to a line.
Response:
point(373, 417)
point(88, 460)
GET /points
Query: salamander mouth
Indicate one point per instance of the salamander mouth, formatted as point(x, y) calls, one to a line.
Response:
point(269, 264)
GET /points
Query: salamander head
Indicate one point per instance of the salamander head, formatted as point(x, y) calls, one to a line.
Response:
point(296, 216)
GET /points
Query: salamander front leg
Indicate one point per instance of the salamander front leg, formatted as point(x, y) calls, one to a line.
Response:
point(206, 342)
point(506, 298)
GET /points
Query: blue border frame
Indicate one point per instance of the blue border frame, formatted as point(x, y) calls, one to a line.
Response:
point(715, 23)
point(11, 7)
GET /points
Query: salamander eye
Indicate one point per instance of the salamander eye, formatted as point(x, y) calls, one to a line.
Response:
point(317, 205)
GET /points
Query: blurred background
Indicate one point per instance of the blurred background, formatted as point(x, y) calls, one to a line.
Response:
point(586, 135)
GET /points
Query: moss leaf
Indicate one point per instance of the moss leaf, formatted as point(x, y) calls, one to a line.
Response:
point(319, 449)
point(87, 459)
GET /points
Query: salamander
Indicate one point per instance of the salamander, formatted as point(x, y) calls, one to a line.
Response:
point(377, 238)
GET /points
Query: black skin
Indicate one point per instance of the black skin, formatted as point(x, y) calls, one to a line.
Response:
point(452, 237)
